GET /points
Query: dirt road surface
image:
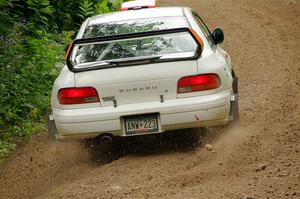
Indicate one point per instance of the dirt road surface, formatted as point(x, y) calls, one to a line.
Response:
point(259, 158)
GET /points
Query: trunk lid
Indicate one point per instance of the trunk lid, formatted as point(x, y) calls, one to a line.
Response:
point(137, 84)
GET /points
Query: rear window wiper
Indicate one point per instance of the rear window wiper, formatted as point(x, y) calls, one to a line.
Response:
point(120, 63)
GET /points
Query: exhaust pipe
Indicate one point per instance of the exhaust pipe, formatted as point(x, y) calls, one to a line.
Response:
point(107, 139)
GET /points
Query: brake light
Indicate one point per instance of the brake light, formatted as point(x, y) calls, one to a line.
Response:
point(138, 4)
point(198, 83)
point(67, 96)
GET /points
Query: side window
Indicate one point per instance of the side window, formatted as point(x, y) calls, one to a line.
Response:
point(204, 29)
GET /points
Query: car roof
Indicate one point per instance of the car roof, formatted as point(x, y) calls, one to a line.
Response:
point(146, 13)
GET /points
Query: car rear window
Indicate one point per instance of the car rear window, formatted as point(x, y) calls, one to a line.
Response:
point(177, 44)
point(134, 26)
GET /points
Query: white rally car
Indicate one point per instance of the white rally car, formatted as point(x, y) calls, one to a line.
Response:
point(143, 71)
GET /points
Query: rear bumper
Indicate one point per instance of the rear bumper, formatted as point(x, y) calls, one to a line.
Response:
point(209, 110)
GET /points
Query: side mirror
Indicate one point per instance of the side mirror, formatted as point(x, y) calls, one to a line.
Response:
point(218, 36)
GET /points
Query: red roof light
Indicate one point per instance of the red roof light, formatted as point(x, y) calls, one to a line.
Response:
point(138, 4)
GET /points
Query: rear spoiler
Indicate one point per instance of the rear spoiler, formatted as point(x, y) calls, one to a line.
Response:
point(126, 36)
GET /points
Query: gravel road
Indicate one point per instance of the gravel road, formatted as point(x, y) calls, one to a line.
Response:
point(258, 158)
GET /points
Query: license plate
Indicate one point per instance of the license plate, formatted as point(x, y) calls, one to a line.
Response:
point(141, 124)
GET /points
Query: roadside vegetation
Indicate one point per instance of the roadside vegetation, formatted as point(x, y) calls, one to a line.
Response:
point(33, 36)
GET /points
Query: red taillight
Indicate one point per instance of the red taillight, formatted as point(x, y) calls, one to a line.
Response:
point(198, 83)
point(78, 95)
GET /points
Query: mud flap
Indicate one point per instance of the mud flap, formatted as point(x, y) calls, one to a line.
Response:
point(234, 101)
point(52, 130)
point(234, 108)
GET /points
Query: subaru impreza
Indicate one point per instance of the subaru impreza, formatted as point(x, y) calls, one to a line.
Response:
point(143, 70)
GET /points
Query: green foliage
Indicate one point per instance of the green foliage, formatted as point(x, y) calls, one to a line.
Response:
point(102, 7)
point(27, 74)
point(65, 15)
point(89, 8)
point(86, 9)
point(41, 10)
point(68, 14)
point(5, 3)
point(33, 36)
point(117, 4)
point(35, 13)
point(5, 148)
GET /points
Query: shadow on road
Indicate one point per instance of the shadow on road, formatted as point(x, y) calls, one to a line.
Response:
point(173, 141)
